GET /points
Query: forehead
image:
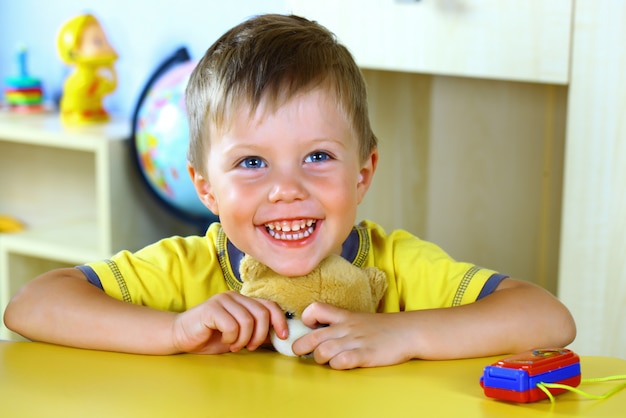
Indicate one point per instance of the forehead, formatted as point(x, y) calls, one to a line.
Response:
point(309, 105)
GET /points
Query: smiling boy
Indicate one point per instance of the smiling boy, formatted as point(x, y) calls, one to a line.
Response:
point(282, 150)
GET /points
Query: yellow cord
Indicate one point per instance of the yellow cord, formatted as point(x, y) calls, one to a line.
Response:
point(545, 386)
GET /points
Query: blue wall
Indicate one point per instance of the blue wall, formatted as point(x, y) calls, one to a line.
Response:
point(143, 32)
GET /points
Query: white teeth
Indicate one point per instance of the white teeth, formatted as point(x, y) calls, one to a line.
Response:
point(291, 232)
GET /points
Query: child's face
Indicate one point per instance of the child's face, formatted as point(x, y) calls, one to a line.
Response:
point(286, 184)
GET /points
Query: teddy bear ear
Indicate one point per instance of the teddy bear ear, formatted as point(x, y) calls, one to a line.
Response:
point(249, 268)
point(378, 283)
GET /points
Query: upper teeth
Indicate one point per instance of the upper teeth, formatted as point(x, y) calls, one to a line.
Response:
point(301, 228)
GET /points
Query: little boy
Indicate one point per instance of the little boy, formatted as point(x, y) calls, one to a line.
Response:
point(282, 150)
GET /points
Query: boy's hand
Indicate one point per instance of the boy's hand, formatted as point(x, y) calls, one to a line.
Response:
point(352, 339)
point(227, 322)
point(516, 317)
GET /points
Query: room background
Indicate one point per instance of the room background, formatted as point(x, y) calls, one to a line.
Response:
point(524, 176)
point(143, 33)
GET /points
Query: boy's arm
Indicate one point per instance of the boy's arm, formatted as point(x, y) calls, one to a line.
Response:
point(62, 307)
point(516, 317)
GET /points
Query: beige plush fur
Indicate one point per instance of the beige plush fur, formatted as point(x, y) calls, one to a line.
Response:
point(335, 281)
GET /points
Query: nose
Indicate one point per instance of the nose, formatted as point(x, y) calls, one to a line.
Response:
point(288, 186)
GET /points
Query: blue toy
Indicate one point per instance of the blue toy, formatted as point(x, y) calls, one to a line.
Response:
point(517, 378)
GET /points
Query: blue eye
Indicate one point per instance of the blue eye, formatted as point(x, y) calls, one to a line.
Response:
point(252, 162)
point(317, 157)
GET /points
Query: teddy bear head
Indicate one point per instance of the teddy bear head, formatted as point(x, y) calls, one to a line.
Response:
point(335, 281)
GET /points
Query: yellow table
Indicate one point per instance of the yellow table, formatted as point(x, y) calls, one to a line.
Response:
point(41, 380)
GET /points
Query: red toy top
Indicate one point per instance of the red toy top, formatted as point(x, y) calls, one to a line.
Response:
point(540, 361)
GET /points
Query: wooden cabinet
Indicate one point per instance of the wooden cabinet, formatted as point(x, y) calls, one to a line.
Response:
point(474, 160)
point(502, 138)
point(525, 40)
point(78, 192)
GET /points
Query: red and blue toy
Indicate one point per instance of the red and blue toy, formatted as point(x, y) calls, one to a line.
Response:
point(516, 378)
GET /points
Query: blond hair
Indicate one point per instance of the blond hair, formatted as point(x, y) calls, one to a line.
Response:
point(272, 57)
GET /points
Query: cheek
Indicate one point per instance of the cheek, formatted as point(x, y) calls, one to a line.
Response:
point(236, 203)
point(341, 190)
point(234, 195)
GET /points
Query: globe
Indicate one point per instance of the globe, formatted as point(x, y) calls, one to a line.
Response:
point(161, 135)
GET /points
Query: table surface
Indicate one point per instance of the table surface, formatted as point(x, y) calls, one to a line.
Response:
point(40, 380)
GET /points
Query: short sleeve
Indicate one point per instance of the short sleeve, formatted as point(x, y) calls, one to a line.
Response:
point(420, 274)
point(173, 274)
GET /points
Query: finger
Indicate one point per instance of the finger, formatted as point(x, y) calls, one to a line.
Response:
point(319, 313)
point(235, 322)
point(341, 352)
point(347, 359)
point(261, 315)
point(255, 321)
point(224, 322)
point(308, 343)
point(277, 318)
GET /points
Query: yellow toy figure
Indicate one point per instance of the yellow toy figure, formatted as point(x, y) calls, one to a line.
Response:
point(82, 42)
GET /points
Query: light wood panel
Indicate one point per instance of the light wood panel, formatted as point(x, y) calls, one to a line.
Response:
point(592, 278)
point(473, 165)
point(400, 116)
point(495, 174)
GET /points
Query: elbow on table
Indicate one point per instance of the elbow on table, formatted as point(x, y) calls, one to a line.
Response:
point(12, 318)
point(568, 328)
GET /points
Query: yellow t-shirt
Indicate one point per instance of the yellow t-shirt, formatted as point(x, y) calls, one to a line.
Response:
point(178, 273)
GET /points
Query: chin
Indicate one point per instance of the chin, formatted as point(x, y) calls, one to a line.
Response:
point(295, 269)
point(285, 264)
point(290, 260)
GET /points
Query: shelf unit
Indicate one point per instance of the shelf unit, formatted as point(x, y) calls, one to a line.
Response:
point(79, 194)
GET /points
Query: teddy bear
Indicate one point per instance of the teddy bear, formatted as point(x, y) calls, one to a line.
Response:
point(334, 281)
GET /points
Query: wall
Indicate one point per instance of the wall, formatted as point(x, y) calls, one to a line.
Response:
point(143, 32)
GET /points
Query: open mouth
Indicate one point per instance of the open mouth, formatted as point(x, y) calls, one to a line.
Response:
point(291, 230)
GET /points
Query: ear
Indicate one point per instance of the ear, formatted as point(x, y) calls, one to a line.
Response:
point(250, 268)
point(378, 283)
point(366, 174)
point(203, 189)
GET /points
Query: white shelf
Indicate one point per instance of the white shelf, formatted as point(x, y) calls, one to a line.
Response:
point(70, 242)
point(79, 194)
point(45, 129)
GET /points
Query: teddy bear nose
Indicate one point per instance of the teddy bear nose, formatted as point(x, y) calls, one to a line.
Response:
point(290, 315)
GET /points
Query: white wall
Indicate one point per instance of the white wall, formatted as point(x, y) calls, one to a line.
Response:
point(143, 32)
